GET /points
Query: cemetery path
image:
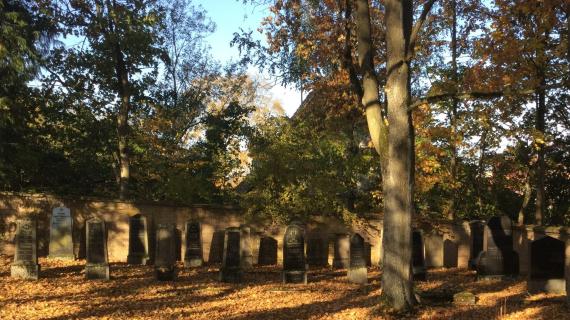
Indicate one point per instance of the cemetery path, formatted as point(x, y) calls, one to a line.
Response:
point(132, 293)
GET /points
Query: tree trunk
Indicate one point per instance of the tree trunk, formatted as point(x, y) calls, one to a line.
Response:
point(453, 120)
point(540, 194)
point(397, 274)
point(526, 199)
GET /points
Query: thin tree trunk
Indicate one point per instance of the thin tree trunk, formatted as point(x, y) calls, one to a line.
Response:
point(453, 120)
point(540, 193)
point(526, 198)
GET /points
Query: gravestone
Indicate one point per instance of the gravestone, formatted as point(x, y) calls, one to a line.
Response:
point(433, 253)
point(476, 228)
point(97, 266)
point(450, 253)
point(267, 251)
point(193, 255)
point(231, 270)
point(418, 264)
point(317, 252)
point(60, 238)
point(25, 265)
point(547, 266)
point(217, 247)
point(245, 247)
point(165, 256)
point(138, 240)
point(294, 264)
point(498, 258)
point(341, 251)
point(357, 272)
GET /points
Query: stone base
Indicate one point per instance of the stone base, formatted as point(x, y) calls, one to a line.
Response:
point(419, 273)
point(70, 257)
point(193, 262)
point(97, 271)
point(233, 275)
point(358, 275)
point(165, 273)
point(138, 260)
point(25, 271)
point(546, 285)
point(295, 277)
point(341, 263)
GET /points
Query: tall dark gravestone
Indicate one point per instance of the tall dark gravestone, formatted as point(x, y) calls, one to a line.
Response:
point(165, 256)
point(498, 258)
point(193, 255)
point(138, 240)
point(341, 251)
point(317, 252)
point(60, 237)
point(477, 231)
point(231, 270)
point(294, 264)
point(97, 266)
point(418, 262)
point(25, 264)
point(547, 266)
point(217, 247)
point(267, 251)
point(357, 272)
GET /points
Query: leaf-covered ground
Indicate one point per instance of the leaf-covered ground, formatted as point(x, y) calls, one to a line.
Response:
point(63, 293)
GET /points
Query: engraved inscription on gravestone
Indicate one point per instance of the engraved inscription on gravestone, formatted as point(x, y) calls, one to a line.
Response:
point(97, 266)
point(165, 258)
point(193, 254)
point(138, 240)
point(231, 270)
point(60, 241)
point(294, 265)
point(357, 272)
point(25, 264)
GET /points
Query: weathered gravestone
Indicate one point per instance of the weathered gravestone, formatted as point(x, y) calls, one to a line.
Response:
point(357, 272)
point(476, 228)
point(97, 266)
point(317, 251)
point(294, 264)
point(25, 264)
point(547, 266)
point(450, 253)
point(245, 247)
point(165, 256)
point(60, 238)
point(231, 270)
point(433, 253)
point(217, 247)
point(418, 263)
point(193, 255)
point(267, 251)
point(138, 240)
point(341, 251)
point(498, 258)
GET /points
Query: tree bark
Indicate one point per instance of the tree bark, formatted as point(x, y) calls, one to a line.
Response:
point(540, 192)
point(453, 118)
point(526, 199)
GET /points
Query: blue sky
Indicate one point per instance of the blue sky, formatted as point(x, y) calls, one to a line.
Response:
point(230, 16)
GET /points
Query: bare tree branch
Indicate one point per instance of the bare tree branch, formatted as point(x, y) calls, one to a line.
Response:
point(418, 26)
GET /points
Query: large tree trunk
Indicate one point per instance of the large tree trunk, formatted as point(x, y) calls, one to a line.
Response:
point(453, 116)
point(398, 206)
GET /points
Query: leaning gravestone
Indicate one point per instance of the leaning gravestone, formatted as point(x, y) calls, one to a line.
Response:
point(498, 258)
point(165, 257)
point(357, 272)
point(418, 262)
point(231, 270)
point(193, 254)
point(267, 251)
point(341, 251)
point(97, 266)
point(138, 240)
point(294, 265)
point(547, 266)
point(60, 239)
point(25, 264)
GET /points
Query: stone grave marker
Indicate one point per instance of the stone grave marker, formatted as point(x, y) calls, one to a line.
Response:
point(317, 252)
point(245, 247)
point(294, 264)
point(193, 255)
point(97, 266)
point(357, 272)
point(418, 263)
point(476, 228)
point(217, 247)
point(267, 251)
point(450, 253)
point(25, 265)
point(341, 251)
point(60, 239)
point(165, 256)
point(498, 258)
point(138, 240)
point(231, 270)
point(547, 266)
